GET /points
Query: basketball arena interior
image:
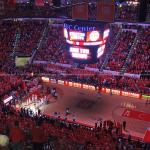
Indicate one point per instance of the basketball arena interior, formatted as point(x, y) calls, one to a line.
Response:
point(74, 75)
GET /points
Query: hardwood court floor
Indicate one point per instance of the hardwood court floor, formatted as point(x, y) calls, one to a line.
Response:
point(88, 108)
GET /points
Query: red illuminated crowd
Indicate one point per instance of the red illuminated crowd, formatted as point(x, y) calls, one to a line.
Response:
point(30, 34)
point(140, 60)
point(119, 45)
point(23, 38)
point(113, 82)
point(20, 36)
point(8, 83)
point(42, 132)
point(53, 48)
point(117, 49)
point(121, 50)
point(35, 132)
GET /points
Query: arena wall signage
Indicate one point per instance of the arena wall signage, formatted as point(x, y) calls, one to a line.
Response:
point(8, 99)
point(146, 96)
point(93, 88)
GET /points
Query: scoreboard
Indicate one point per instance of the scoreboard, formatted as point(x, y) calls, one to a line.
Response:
point(85, 40)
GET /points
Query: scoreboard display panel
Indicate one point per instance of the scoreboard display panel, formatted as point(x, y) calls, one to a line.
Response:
point(85, 39)
point(82, 54)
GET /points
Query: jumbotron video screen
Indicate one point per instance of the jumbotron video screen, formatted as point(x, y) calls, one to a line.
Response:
point(85, 40)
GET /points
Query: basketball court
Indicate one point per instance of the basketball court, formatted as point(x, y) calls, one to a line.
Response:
point(88, 107)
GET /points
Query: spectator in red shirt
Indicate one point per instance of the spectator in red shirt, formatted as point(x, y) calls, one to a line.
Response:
point(38, 137)
point(17, 137)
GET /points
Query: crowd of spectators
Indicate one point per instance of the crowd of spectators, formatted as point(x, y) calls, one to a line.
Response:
point(140, 60)
point(121, 51)
point(127, 12)
point(25, 31)
point(128, 84)
point(7, 35)
point(110, 44)
point(30, 33)
point(18, 38)
point(37, 132)
point(7, 39)
point(8, 83)
point(122, 47)
point(53, 48)
point(59, 133)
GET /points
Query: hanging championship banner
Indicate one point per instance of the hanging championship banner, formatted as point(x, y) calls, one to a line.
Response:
point(80, 9)
point(106, 10)
point(1, 7)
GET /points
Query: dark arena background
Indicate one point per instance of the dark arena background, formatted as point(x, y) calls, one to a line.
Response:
point(74, 75)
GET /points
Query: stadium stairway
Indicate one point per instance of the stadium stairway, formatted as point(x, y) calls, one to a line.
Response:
point(131, 50)
point(43, 37)
point(108, 55)
point(17, 38)
point(42, 41)
point(148, 13)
